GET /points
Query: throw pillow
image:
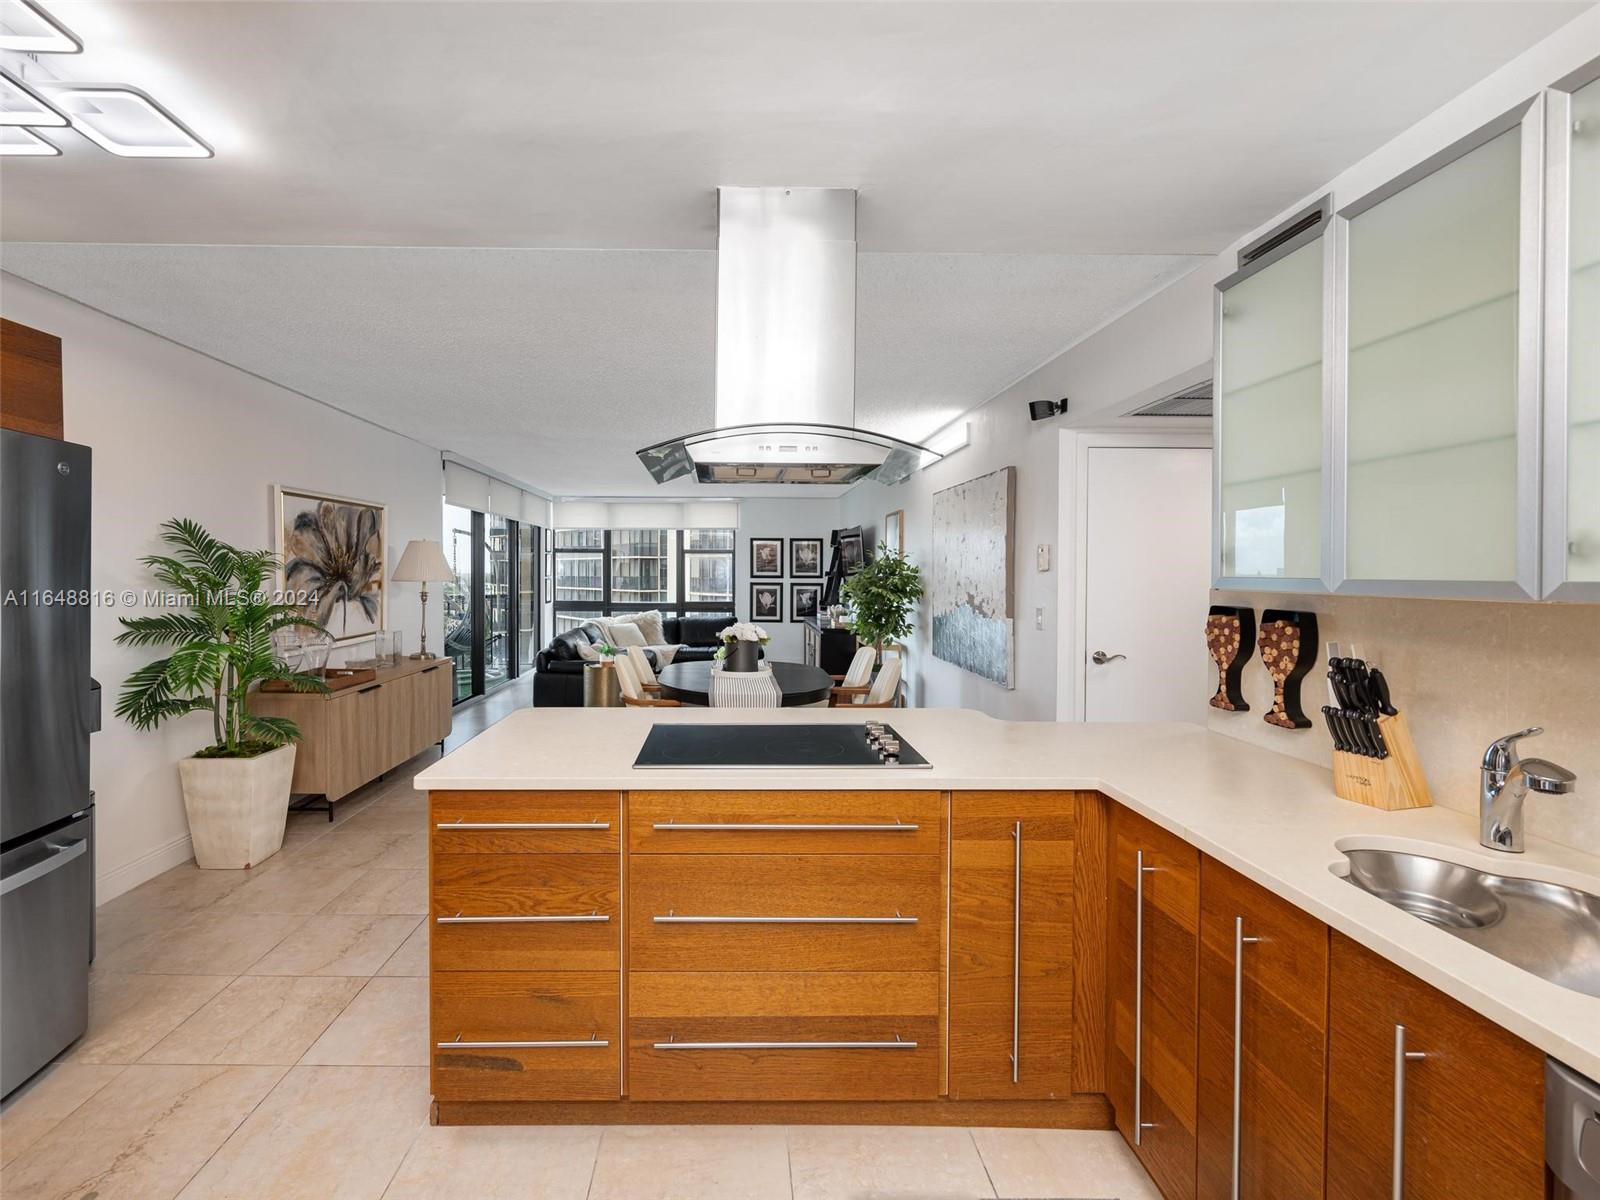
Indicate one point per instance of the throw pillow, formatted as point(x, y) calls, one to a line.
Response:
point(625, 634)
point(649, 624)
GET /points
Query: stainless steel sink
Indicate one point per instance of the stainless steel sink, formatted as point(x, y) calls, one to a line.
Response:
point(1546, 928)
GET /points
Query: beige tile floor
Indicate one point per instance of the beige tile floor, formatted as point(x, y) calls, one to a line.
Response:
point(262, 1035)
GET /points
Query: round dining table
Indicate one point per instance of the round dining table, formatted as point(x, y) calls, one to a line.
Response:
point(690, 682)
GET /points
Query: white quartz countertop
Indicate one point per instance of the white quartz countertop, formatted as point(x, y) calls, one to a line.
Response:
point(1273, 818)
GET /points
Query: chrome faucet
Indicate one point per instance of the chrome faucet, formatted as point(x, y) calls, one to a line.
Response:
point(1506, 781)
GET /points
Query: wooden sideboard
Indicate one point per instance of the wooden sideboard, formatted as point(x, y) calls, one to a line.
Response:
point(352, 736)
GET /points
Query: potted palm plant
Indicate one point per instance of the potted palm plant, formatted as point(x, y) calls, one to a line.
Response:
point(236, 790)
point(881, 595)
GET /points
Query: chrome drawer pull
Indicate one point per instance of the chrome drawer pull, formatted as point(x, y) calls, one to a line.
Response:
point(899, 1043)
point(1139, 1123)
point(564, 919)
point(1401, 1057)
point(672, 918)
point(762, 826)
point(1016, 957)
point(458, 1044)
point(1239, 943)
point(523, 825)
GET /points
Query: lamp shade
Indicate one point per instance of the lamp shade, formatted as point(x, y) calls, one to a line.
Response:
point(423, 562)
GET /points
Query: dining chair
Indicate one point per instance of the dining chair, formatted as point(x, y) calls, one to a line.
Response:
point(856, 682)
point(632, 694)
point(648, 683)
point(885, 692)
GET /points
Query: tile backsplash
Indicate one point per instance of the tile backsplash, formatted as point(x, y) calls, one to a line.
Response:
point(1464, 672)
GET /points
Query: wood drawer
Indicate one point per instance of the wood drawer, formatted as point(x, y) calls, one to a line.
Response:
point(513, 1007)
point(786, 822)
point(480, 902)
point(845, 912)
point(795, 1036)
point(525, 822)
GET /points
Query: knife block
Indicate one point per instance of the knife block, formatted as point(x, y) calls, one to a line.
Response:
point(1391, 783)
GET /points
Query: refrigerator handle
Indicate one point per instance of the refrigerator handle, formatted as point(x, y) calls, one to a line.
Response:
point(61, 853)
point(91, 706)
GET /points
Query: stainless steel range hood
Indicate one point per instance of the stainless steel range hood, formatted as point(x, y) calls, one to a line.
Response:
point(786, 351)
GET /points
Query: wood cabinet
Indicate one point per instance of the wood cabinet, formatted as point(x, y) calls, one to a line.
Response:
point(30, 381)
point(1011, 944)
point(1471, 1119)
point(1263, 1042)
point(784, 1035)
point(350, 737)
point(525, 945)
point(785, 945)
point(1152, 963)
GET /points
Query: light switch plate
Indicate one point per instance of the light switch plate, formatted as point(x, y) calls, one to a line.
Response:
point(1038, 618)
point(1041, 555)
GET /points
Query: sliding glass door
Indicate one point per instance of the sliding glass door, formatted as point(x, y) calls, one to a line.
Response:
point(492, 605)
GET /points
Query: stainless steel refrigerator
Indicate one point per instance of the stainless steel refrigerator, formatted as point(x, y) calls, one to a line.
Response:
point(48, 707)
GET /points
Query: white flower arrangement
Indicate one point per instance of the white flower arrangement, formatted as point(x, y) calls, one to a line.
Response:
point(744, 631)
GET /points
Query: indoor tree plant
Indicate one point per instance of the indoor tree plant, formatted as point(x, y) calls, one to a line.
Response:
point(236, 790)
point(881, 595)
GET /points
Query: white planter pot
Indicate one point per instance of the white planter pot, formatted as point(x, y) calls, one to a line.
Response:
point(237, 807)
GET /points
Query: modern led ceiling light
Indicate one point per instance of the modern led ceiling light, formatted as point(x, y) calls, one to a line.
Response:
point(26, 27)
point(18, 142)
point(125, 121)
point(21, 105)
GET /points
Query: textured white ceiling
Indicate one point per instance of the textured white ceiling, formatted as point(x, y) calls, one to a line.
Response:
point(1025, 170)
point(1119, 127)
point(553, 366)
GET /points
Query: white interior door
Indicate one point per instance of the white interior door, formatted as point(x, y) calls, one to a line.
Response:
point(1147, 583)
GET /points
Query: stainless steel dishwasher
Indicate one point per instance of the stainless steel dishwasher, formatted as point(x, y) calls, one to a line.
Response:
point(1571, 1132)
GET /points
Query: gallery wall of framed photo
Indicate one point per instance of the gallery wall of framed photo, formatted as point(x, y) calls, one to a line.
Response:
point(781, 564)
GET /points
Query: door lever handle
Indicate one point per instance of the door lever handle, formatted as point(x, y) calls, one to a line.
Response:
point(1100, 658)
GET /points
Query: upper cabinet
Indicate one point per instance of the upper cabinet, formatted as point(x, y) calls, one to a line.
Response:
point(1572, 341)
point(1439, 336)
point(1269, 468)
point(1408, 392)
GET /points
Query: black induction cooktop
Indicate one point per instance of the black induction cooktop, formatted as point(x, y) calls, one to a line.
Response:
point(747, 747)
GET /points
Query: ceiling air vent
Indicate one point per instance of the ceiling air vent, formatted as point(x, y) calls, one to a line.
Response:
point(1303, 221)
point(1191, 402)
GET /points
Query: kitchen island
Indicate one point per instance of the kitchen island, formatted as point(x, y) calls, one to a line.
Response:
point(893, 945)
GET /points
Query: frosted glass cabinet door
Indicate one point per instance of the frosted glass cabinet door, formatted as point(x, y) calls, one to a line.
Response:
point(1269, 420)
point(1583, 340)
point(1432, 407)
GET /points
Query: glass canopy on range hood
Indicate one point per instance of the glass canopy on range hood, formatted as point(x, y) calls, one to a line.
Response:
point(785, 453)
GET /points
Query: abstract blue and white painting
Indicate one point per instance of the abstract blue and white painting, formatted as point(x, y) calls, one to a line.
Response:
point(970, 597)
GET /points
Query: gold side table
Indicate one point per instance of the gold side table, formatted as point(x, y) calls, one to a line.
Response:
point(600, 686)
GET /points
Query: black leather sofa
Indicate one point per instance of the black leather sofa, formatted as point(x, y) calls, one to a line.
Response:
point(558, 668)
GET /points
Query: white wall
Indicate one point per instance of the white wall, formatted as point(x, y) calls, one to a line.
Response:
point(1001, 436)
point(175, 433)
point(787, 518)
point(1165, 340)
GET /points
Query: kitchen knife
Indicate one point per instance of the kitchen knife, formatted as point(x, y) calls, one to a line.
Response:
point(1361, 735)
point(1380, 692)
point(1335, 730)
point(1369, 722)
point(1336, 688)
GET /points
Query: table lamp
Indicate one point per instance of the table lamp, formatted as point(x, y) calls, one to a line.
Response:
point(423, 562)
